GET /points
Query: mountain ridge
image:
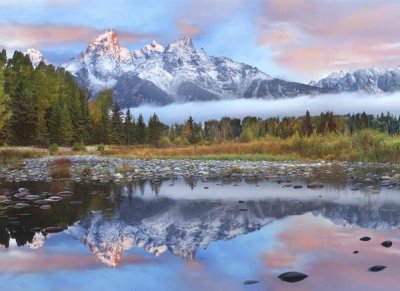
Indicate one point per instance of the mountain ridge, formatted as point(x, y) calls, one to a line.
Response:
point(177, 72)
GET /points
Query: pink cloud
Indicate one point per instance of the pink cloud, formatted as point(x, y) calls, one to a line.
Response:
point(315, 37)
point(14, 35)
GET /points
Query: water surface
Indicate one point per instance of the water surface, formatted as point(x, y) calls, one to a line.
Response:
point(199, 235)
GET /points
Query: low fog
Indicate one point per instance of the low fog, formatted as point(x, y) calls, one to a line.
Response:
point(239, 108)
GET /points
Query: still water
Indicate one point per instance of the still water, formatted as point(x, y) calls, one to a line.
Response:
point(197, 235)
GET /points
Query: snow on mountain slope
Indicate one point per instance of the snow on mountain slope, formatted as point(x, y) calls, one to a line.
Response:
point(179, 70)
point(370, 81)
point(35, 56)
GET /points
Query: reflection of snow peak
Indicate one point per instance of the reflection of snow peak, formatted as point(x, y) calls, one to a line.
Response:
point(38, 240)
point(184, 226)
point(173, 230)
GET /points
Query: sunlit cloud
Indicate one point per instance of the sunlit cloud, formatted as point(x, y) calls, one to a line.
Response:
point(15, 35)
point(316, 37)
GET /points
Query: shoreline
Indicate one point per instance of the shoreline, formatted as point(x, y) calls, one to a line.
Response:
point(112, 169)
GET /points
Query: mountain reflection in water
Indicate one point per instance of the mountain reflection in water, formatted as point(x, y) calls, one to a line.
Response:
point(115, 220)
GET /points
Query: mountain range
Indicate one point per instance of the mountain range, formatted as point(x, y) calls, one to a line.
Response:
point(179, 72)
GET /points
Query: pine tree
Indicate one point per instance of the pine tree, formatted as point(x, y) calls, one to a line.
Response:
point(5, 112)
point(3, 57)
point(154, 130)
point(307, 127)
point(140, 130)
point(60, 124)
point(129, 128)
point(116, 124)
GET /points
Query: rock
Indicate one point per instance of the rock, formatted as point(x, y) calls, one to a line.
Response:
point(355, 252)
point(54, 198)
point(21, 205)
point(365, 238)
point(65, 193)
point(315, 185)
point(53, 229)
point(387, 244)
point(23, 190)
point(292, 277)
point(32, 197)
point(386, 178)
point(46, 206)
point(241, 201)
point(75, 202)
point(297, 186)
point(376, 268)
point(249, 282)
point(118, 176)
point(243, 209)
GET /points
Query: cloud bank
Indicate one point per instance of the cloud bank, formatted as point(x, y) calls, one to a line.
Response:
point(239, 108)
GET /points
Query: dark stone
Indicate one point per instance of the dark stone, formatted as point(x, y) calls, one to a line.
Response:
point(377, 268)
point(315, 185)
point(52, 229)
point(75, 202)
point(365, 238)
point(355, 252)
point(387, 244)
point(297, 186)
point(65, 194)
point(292, 277)
point(249, 282)
point(205, 187)
point(243, 209)
point(241, 201)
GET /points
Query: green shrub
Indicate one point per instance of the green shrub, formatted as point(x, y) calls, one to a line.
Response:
point(53, 148)
point(78, 147)
point(100, 148)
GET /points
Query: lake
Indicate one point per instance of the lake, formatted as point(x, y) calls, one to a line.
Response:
point(191, 234)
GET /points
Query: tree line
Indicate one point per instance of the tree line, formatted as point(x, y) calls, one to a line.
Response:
point(44, 105)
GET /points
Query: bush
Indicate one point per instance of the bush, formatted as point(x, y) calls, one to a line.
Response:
point(78, 147)
point(53, 148)
point(247, 135)
point(125, 168)
point(100, 148)
point(87, 171)
point(60, 168)
point(165, 142)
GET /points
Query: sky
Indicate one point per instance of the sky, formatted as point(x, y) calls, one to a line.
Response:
point(299, 40)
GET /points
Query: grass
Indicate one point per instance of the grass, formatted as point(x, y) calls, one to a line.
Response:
point(364, 146)
point(60, 168)
point(10, 155)
point(125, 168)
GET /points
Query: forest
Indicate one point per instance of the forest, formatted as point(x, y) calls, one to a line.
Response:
point(44, 105)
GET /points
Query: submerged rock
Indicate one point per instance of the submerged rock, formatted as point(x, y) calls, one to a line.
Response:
point(53, 229)
point(249, 282)
point(365, 238)
point(21, 205)
point(292, 277)
point(315, 185)
point(376, 268)
point(387, 244)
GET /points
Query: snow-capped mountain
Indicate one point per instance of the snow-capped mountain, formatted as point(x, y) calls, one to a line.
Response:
point(35, 56)
point(370, 81)
point(177, 72)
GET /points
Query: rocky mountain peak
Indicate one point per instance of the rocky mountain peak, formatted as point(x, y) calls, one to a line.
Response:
point(105, 42)
point(181, 43)
point(35, 56)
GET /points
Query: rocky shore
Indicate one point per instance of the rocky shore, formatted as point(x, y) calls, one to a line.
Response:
point(107, 169)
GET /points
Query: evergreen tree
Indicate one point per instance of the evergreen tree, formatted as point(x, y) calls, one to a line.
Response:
point(129, 128)
point(60, 124)
point(154, 130)
point(140, 130)
point(5, 112)
point(307, 127)
point(116, 124)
